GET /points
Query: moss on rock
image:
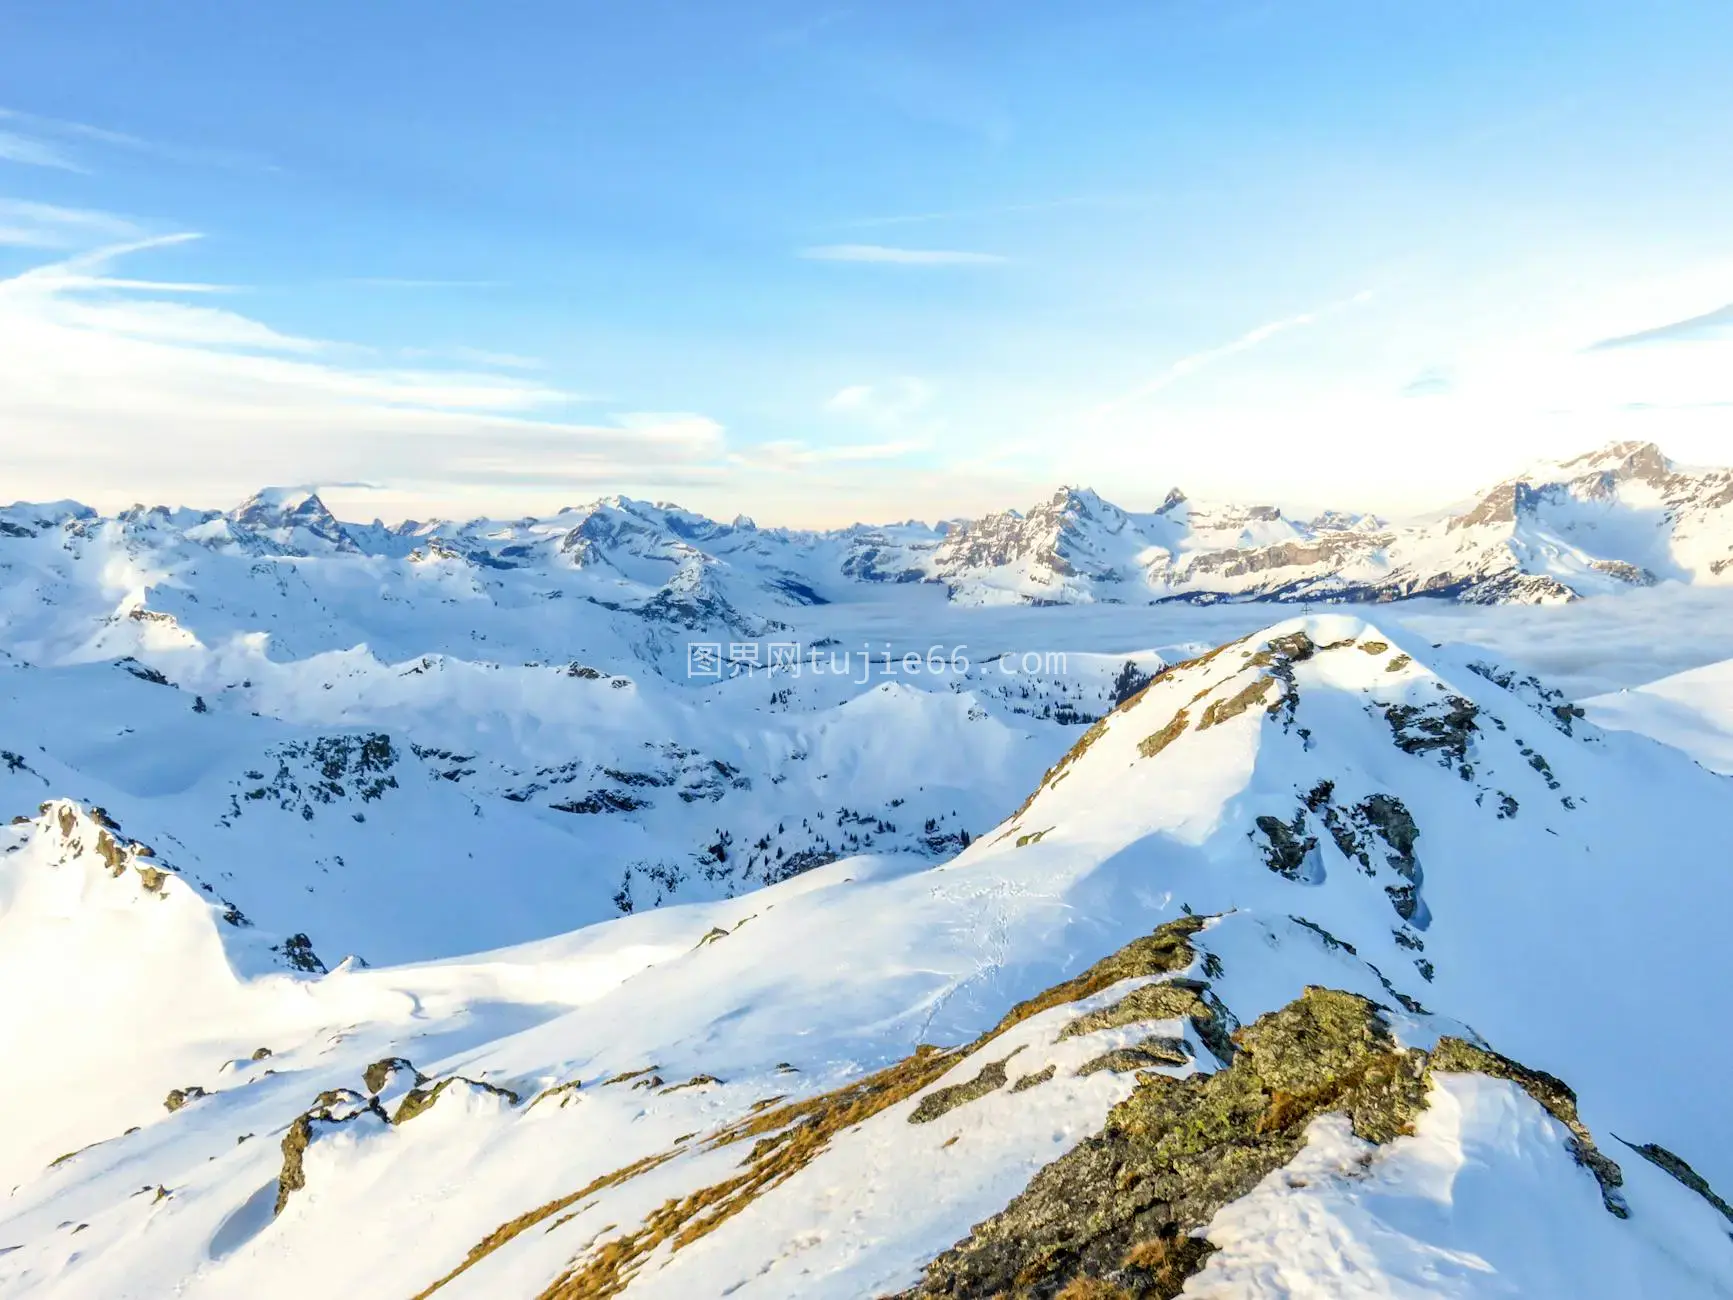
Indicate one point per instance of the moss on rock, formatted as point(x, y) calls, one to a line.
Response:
point(940, 1101)
point(1220, 711)
point(1166, 951)
point(1454, 1055)
point(1036, 1079)
point(1147, 1055)
point(1177, 1150)
point(179, 1097)
point(419, 1099)
point(1153, 744)
point(378, 1075)
point(1676, 1167)
point(1171, 1000)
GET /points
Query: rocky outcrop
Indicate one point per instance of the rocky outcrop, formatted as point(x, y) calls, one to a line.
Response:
point(331, 1110)
point(1122, 1214)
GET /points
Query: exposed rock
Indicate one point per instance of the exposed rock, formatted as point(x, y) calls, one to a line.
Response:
point(1153, 744)
point(1147, 1055)
point(181, 1096)
point(1167, 951)
point(1554, 1096)
point(1445, 728)
point(564, 1093)
point(696, 1081)
point(1177, 1150)
point(420, 1099)
point(1664, 1159)
point(941, 1100)
point(332, 1109)
point(1220, 711)
point(1289, 848)
point(1170, 1000)
point(380, 1074)
point(1035, 1079)
point(1121, 1214)
point(297, 952)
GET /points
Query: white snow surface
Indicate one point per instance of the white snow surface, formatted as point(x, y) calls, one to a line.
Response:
point(234, 741)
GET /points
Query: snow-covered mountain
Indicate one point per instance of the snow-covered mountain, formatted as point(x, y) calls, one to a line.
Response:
point(626, 902)
point(1326, 963)
point(1624, 516)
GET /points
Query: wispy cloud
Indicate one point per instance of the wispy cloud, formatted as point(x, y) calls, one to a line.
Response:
point(123, 383)
point(44, 140)
point(897, 256)
point(792, 455)
point(1710, 325)
point(60, 126)
point(35, 153)
point(24, 224)
point(1252, 338)
point(889, 402)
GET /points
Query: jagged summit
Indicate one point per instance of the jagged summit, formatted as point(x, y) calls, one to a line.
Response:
point(286, 514)
point(1617, 518)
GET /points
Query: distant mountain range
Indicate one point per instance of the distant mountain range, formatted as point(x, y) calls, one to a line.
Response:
point(1620, 517)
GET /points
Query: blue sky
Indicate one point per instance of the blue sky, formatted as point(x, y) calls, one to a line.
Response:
point(820, 263)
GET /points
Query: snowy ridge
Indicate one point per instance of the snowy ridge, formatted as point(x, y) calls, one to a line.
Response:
point(1620, 517)
point(1319, 878)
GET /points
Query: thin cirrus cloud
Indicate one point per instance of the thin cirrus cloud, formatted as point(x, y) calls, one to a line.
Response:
point(892, 403)
point(25, 224)
point(791, 455)
point(1196, 361)
point(41, 141)
point(140, 393)
point(886, 255)
point(1710, 325)
point(35, 153)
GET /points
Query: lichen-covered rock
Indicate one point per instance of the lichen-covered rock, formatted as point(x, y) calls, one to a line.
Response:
point(382, 1073)
point(1122, 1214)
point(1676, 1167)
point(1170, 1000)
point(941, 1100)
point(1153, 744)
point(1220, 711)
point(1166, 951)
point(1036, 1079)
point(1147, 1055)
point(419, 1099)
point(1177, 1150)
point(179, 1097)
point(332, 1109)
point(1554, 1096)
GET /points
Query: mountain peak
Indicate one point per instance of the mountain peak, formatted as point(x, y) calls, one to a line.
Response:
point(1643, 461)
point(283, 510)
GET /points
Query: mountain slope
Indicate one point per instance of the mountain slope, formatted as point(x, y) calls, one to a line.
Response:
point(734, 1098)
